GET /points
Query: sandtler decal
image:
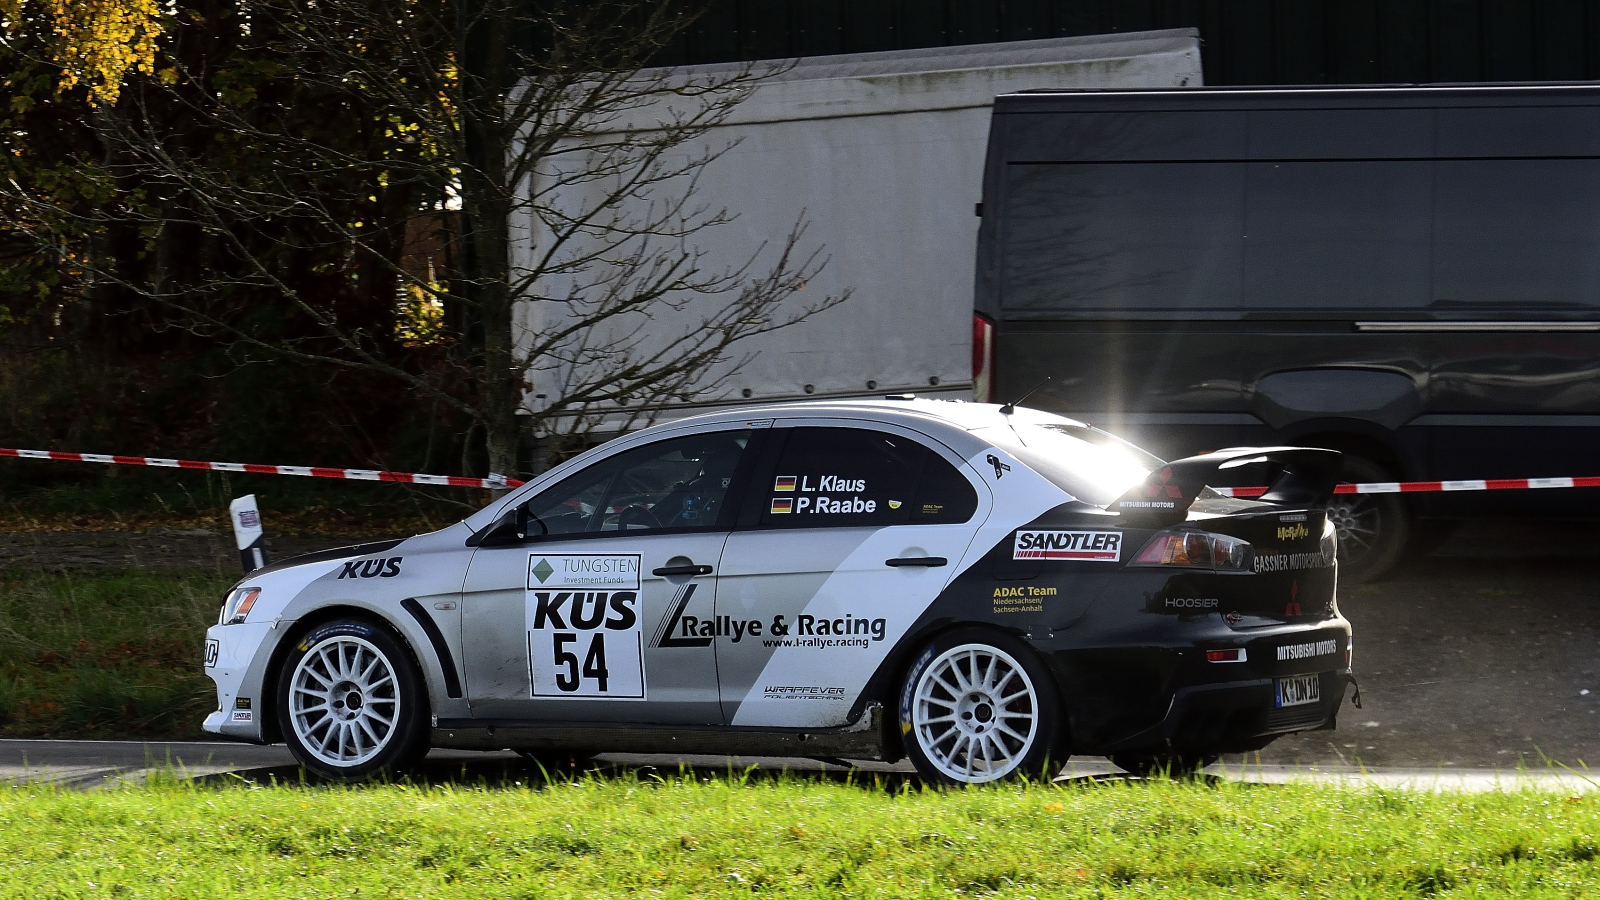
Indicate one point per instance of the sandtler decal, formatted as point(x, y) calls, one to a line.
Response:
point(1099, 546)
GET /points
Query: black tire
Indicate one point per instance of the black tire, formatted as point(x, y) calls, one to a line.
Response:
point(374, 712)
point(1166, 763)
point(1372, 528)
point(1008, 707)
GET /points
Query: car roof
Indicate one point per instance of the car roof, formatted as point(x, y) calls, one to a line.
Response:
point(911, 411)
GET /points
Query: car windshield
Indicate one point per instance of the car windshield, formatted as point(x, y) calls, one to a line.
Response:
point(1092, 465)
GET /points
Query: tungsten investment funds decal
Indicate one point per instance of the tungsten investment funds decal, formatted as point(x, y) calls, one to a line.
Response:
point(584, 634)
point(1096, 546)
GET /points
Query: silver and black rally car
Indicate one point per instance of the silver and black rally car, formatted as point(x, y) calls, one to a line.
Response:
point(984, 589)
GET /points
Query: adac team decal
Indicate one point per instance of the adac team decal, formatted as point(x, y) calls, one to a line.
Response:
point(1098, 546)
point(584, 634)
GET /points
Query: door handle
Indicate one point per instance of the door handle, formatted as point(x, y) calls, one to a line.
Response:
point(931, 562)
point(669, 571)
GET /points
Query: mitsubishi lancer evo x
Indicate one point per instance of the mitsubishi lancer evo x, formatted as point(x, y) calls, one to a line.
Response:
point(984, 589)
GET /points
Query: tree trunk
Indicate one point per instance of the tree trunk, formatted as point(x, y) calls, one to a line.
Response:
point(487, 196)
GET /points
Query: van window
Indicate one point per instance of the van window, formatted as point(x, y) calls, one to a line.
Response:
point(1218, 236)
point(1516, 234)
point(1337, 235)
point(1123, 237)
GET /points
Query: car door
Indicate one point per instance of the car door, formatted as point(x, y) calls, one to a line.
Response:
point(849, 534)
point(570, 623)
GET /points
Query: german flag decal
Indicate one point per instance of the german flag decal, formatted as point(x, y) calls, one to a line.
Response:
point(782, 505)
point(784, 483)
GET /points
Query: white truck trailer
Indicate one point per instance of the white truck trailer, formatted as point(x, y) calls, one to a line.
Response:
point(883, 155)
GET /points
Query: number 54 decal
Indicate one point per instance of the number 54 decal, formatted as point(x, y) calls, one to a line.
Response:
point(584, 636)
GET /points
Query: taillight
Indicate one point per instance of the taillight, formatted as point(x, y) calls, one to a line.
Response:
point(1220, 656)
point(1196, 549)
point(982, 359)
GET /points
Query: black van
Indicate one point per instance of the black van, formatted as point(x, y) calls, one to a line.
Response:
point(1408, 274)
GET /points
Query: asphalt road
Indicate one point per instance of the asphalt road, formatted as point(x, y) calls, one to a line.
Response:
point(1484, 654)
point(101, 764)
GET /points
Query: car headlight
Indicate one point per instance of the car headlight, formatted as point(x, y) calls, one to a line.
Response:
point(238, 606)
point(1196, 549)
point(1330, 542)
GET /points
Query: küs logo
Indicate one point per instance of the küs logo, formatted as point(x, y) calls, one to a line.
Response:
point(372, 568)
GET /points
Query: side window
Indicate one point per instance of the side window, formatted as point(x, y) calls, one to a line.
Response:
point(674, 484)
point(944, 495)
point(856, 477)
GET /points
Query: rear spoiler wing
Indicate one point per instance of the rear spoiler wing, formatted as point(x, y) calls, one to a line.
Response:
point(1296, 476)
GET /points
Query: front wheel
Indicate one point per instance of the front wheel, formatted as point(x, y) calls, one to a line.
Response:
point(978, 706)
point(351, 703)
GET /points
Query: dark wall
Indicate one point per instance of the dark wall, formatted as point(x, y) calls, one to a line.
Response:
point(1244, 41)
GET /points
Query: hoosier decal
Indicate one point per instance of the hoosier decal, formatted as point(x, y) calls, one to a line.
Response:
point(1100, 546)
point(584, 636)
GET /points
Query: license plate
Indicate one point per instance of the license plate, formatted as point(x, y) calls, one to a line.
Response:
point(212, 649)
point(1299, 690)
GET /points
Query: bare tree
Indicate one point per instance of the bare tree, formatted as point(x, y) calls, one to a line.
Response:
point(565, 170)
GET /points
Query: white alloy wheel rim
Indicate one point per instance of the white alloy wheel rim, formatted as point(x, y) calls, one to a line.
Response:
point(975, 713)
point(344, 701)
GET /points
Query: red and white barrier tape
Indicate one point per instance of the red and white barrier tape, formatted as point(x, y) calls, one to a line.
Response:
point(501, 481)
point(1423, 487)
point(493, 481)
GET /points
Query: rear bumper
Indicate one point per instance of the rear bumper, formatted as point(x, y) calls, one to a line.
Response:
point(1237, 716)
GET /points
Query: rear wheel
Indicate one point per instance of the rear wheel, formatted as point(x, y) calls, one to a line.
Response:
point(1372, 528)
point(978, 706)
point(351, 703)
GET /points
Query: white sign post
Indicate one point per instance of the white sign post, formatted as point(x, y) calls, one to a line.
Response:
point(248, 533)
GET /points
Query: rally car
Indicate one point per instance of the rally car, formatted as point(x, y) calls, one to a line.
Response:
point(984, 589)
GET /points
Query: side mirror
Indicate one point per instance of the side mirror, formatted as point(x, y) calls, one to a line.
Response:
point(525, 523)
point(516, 524)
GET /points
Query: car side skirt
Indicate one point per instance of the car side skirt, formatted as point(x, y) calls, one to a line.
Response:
point(866, 739)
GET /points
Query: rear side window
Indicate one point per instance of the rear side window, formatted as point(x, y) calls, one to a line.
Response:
point(845, 477)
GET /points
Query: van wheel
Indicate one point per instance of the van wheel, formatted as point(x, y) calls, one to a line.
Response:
point(1372, 529)
point(978, 706)
point(351, 703)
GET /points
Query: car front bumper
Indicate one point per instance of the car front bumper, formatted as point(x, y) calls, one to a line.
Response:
point(235, 670)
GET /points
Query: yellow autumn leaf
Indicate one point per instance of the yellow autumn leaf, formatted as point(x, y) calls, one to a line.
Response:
point(97, 43)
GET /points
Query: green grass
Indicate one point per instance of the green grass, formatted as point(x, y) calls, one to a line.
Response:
point(105, 656)
point(738, 837)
